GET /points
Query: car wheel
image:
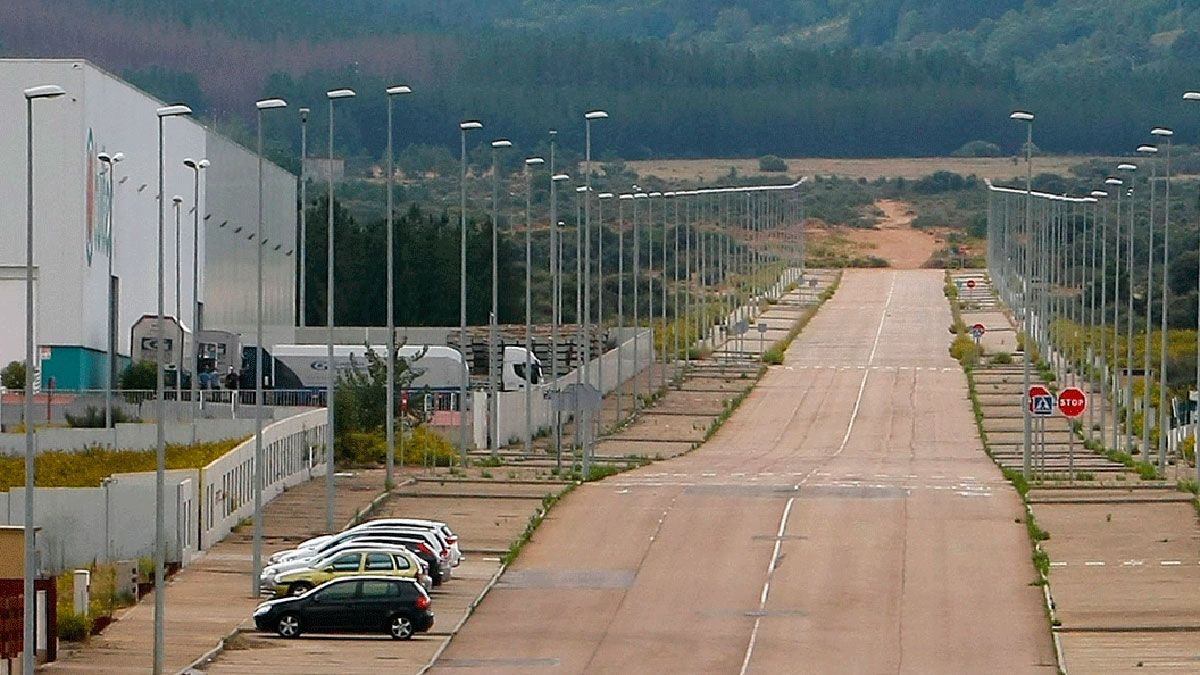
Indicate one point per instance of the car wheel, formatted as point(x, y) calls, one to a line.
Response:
point(289, 625)
point(299, 588)
point(401, 628)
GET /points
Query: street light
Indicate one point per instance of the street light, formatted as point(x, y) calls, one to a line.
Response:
point(28, 654)
point(1150, 150)
point(1099, 195)
point(602, 197)
point(110, 162)
point(621, 199)
point(263, 105)
point(177, 202)
point(494, 363)
point(587, 249)
point(1163, 414)
point(303, 215)
point(1128, 398)
point(1027, 118)
point(331, 368)
point(160, 532)
point(196, 167)
point(464, 127)
point(530, 162)
point(1112, 387)
point(556, 295)
point(389, 478)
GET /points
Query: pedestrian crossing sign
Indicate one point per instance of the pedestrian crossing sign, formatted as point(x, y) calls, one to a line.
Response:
point(1043, 405)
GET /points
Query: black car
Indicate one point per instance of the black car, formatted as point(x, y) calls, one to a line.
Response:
point(363, 604)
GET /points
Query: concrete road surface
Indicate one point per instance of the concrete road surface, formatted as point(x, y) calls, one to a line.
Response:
point(845, 520)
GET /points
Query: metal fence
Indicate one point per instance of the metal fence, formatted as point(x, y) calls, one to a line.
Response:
point(86, 408)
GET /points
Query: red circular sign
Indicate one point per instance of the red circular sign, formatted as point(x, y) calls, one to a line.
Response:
point(970, 283)
point(1072, 401)
point(979, 328)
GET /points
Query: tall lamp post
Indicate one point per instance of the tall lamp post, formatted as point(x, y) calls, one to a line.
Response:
point(1151, 151)
point(601, 198)
point(176, 204)
point(1027, 118)
point(110, 163)
point(588, 118)
point(263, 105)
point(1163, 413)
point(463, 127)
point(530, 162)
point(495, 368)
point(389, 478)
point(331, 368)
point(1128, 399)
point(28, 655)
point(555, 296)
point(160, 531)
point(196, 167)
point(303, 215)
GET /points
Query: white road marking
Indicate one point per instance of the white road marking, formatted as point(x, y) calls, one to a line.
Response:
point(1132, 563)
point(1166, 563)
point(1094, 563)
point(867, 373)
point(766, 589)
point(1057, 563)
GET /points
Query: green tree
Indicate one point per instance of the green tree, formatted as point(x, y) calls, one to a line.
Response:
point(13, 375)
point(141, 375)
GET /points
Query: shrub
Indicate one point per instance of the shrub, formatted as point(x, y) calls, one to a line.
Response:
point(366, 448)
point(963, 350)
point(978, 149)
point(773, 356)
point(93, 418)
point(771, 164)
point(142, 375)
point(13, 375)
point(1002, 359)
point(88, 467)
point(73, 627)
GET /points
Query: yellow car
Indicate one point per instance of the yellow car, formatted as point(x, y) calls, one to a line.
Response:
point(349, 562)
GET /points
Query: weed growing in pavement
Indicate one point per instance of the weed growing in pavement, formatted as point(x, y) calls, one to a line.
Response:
point(489, 461)
point(1194, 488)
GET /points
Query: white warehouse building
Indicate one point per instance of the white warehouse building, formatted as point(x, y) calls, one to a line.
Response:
point(73, 237)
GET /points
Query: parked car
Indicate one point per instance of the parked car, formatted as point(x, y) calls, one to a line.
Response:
point(270, 571)
point(397, 562)
point(440, 567)
point(443, 531)
point(363, 604)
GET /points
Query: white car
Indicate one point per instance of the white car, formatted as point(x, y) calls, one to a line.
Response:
point(437, 548)
point(273, 569)
point(443, 531)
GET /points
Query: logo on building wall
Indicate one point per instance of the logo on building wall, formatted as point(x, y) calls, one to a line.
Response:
point(97, 228)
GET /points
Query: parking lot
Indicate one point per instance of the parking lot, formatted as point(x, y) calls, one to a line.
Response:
point(487, 516)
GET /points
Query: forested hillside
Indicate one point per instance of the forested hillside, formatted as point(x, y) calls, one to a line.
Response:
point(680, 77)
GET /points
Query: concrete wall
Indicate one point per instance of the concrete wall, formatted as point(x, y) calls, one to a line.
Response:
point(116, 519)
point(128, 436)
point(111, 522)
point(510, 414)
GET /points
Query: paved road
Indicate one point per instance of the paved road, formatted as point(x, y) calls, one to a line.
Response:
point(845, 520)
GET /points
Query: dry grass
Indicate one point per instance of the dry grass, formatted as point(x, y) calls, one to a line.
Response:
point(711, 170)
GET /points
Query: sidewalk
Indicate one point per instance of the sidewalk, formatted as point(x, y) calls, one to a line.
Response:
point(210, 598)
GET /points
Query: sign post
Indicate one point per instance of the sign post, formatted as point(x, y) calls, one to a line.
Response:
point(1072, 402)
point(1041, 405)
point(762, 331)
point(977, 332)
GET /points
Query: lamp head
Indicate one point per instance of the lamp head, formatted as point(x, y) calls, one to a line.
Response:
point(1147, 148)
point(104, 157)
point(304, 115)
point(534, 161)
point(399, 89)
point(1162, 131)
point(1021, 116)
point(340, 93)
point(558, 178)
point(501, 143)
point(470, 125)
point(204, 164)
point(1113, 181)
point(1191, 96)
point(605, 195)
point(118, 157)
point(270, 104)
point(44, 91)
point(177, 200)
point(173, 111)
point(655, 194)
point(1099, 193)
point(596, 115)
point(1127, 167)
point(625, 195)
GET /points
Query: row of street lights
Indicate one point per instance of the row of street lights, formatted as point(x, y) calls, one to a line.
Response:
point(1047, 261)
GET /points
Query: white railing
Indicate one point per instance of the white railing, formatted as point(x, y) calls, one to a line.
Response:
point(293, 452)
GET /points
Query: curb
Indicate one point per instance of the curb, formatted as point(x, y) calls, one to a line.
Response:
point(470, 610)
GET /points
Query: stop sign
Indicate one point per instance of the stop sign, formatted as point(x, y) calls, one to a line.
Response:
point(970, 283)
point(1072, 401)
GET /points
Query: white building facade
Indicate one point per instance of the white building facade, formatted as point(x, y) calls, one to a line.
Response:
point(74, 238)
